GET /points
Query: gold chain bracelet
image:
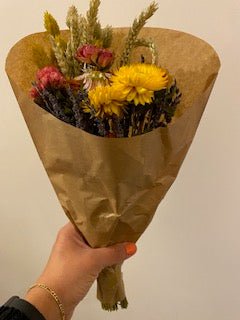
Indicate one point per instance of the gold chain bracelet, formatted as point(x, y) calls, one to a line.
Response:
point(53, 294)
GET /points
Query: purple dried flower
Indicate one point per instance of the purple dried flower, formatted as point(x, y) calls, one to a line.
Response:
point(56, 107)
point(76, 109)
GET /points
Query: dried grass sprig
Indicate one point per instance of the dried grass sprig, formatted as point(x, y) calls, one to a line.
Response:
point(70, 60)
point(97, 33)
point(138, 24)
point(107, 36)
point(92, 20)
point(72, 22)
point(60, 56)
point(51, 25)
point(82, 25)
point(58, 44)
point(152, 47)
point(40, 56)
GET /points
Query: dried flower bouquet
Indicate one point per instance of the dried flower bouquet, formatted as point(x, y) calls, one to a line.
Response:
point(84, 83)
point(111, 130)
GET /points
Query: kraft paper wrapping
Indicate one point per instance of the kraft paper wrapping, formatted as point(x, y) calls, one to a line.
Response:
point(110, 188)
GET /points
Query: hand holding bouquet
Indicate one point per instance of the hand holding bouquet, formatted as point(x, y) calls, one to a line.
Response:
point(111, 131)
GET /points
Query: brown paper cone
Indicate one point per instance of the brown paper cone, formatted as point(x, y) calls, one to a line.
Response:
point(110, 188)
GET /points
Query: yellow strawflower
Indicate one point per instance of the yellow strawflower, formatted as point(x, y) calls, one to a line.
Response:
point(106, 101)
point(137, 82)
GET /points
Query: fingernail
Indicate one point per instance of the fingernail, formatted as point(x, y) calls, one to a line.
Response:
point(130, 248)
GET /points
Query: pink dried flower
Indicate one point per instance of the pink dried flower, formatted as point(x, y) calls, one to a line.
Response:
point(88, 53)
point(47, 70)
point(49, 76)
point(105, 58)
point(52, 79)
point(91, 54)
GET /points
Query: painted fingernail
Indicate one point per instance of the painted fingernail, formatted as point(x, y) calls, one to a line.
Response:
point(130, 248)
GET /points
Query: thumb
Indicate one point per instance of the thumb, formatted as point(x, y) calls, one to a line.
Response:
point(115, 254)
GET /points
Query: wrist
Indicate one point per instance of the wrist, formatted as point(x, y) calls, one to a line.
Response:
point(47, 302)
point(44, 303)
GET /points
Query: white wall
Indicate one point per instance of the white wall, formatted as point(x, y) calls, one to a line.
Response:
point(188, 263)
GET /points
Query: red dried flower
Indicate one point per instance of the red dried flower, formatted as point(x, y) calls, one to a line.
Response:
point(91, 54)
point(88, 53)
point(50, 76)
point(47, 70)
point(52, 79)
point(105, 58)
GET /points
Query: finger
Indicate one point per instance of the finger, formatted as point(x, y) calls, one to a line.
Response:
point(115, 254)
point(70, 232)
